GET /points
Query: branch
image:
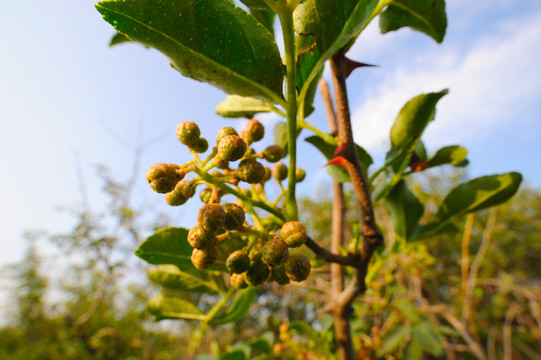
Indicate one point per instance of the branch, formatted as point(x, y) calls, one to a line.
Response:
point(350, 260)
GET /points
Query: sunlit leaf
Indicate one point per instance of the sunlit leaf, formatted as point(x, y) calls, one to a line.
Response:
point(236, 106)
point(393, 339)
point(427, 16)
point(474, 195)
point(454, 155)
point(207, 40)
point(171, 277)
point(167, 246)
point(172, 307)
point(238, 309)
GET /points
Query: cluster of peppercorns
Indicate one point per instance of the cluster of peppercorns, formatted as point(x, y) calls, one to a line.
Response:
point(273, 262)
point(217, 222)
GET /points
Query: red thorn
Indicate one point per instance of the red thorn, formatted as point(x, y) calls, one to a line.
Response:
point(417, 164)
point(352, 65)
point(338, 158)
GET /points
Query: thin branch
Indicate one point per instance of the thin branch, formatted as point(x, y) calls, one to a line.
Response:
point(465, 258)
point(350, 260)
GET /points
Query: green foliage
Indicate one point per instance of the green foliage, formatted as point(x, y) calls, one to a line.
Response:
point(236, 106)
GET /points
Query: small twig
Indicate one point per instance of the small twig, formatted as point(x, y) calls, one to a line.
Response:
point(350, 260)
point(465, 259)
point(507, 331)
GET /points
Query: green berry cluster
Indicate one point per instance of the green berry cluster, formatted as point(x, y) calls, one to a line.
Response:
point(255, 251)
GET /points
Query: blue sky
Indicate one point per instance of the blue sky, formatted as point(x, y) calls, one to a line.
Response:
point(63, 93)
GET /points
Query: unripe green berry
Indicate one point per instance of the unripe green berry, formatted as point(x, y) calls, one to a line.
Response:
point(188, 133)
point(225, 132)
point(299, 174)
point(231, 148)
point(238, 262)
point(293, 234)
point(200, 239)
point(297, 267)
point(273, 153)
point(205, 195)
point(163, 177)
point(234, 216)
point(250, 171)
point(258, 272)
point(202, 259)
point(279, 171)
point(238, 281)
point(254, 131)
point(274, 251)
point(182, 192)
point(278, 274)
point(211, 217)
point(200, 146)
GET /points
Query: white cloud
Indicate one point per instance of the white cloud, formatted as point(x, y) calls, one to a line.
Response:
point(491, 85)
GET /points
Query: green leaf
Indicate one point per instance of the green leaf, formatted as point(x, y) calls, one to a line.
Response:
point(338, 173)
point(207, 40)
point(474, 195)
point(265, 17)
point(420, 150)
point(264, 343)
point(238, 309)
point(393, 339)
point(118, 38)
point(171, 277)
point(454, 155)
point(414, 351)
point(405, 210)
point(234, 355)
point(304, 329)
point(414, 117)
point(172, 307)
point(425, 334)
point(324, 27)
point(280, 134)
point(427, 16)
point(236, 106)
point(167, 246)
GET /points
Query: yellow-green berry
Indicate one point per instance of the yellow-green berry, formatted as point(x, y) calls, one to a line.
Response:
point(162, 178)
point(299, 174)
point(182, 192)
point(258, 272)
point(231, 148)
point(200, 239)
point(254, 131)
point(234, 216)
point(205, 195)
point(237, 262)
point(211, 217)
point(200, 146)
point(297, 267)
point(188, 133)
point(293, 234)
point(202, 259)
point(279, 171)
point(250, 171)
point(273, 153)
point(238, 281)
point(274, 251)
point(225, 132)
point(278, 274)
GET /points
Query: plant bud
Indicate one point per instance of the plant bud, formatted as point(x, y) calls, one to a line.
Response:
point(275, 251)
point(211, 217)
point(163, 177)
point(258, 272)
point(299, 175)
point(278, 274)
point(279, 171)
point(182, 192)
point(238, 281)
point(234, 216)
point(293, 234)
point(225, 132)
point(250, 171)
point(237, 262)
point(254, 131)
point(202, 259)
point(201, 145)
point(205, 195)
point(188, 133)
point(200, 239)
point(297, 267)
point(231, 148)
point(273, 153)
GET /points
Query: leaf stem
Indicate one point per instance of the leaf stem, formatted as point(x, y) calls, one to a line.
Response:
point(219, 305)
point(286, 19)
point(329, 139)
